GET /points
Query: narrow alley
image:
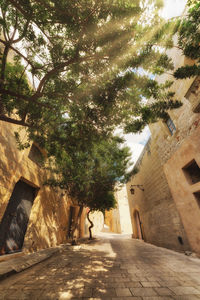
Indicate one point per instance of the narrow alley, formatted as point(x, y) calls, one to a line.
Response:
point(110, 267)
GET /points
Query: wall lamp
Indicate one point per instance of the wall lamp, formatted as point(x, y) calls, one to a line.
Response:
point(139, 186)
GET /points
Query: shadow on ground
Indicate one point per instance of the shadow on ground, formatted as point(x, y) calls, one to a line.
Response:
point(108, 267)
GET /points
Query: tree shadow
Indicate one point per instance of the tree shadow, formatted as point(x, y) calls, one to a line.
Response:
point(74, 273)
point(105, 268)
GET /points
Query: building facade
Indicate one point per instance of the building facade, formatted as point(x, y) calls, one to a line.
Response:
point(118, 220)
point(32, 216)
point(167, 212)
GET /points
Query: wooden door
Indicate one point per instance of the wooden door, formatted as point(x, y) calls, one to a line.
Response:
point(138, 224)
point(15, 220)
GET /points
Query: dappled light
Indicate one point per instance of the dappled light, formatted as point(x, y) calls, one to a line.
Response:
point(111, 266)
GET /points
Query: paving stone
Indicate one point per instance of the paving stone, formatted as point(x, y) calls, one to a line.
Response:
point(163, 291)
point(122, 279)
point(184, 290)
point(133, 284)
point(115, 284)
point(143, 292)
point(157, 298)
point(133, 278)
point(123, 292)
point(186, 297)
point(127, 298)
point(150, 283)
point(169, 283)
point(101, 292)
point(107, 269)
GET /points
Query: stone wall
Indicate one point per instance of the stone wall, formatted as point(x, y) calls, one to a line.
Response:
point(160, 221)
point(118, 220)
point(112, 220)
point(169, 202)
point(123, 208)
point(48, 224)
point(183, 175)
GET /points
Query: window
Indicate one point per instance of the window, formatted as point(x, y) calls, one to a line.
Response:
point(192, 172)
point(36, 155)
point(171, 126)
point(197, 197)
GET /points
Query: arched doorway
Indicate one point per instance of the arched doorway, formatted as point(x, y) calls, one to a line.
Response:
point(139, 233)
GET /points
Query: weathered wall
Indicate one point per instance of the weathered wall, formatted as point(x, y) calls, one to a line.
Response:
point(48, 223)
point(112, 220)
point(118, 219)
point(160, 221)
point(183, 189)
point(123, 208)
point(163, 206)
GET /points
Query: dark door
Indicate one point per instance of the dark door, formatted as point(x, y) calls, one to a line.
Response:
point(15, 220)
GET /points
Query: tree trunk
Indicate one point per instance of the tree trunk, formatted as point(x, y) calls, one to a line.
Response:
point(76, 223)
point(91, 225)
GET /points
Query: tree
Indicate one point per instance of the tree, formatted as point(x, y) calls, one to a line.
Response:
point(189, 40)
point(90, 174)
point(103, 202)
point(71, 71)
point(83, 56)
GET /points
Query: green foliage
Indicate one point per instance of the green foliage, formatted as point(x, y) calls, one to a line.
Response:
point(189, 40)
point(20, 145)
point(88, 66)
point(151, 113)
point(187, 72)
point(84, 56)
point(89, 172)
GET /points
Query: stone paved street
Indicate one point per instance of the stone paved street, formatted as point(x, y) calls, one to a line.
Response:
point(111, 267)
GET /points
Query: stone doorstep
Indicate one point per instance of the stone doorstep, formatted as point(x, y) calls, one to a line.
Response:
point(17, 263)
point(14, 263)
point(11, 256)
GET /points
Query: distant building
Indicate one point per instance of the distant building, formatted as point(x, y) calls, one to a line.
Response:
point(118, 220)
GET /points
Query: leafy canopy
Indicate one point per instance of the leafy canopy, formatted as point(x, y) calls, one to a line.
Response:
point(71, 71)
point(189, 40)
point(90, 174)
point(83, 60)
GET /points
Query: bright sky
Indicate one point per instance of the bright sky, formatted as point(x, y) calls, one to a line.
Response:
point(136, 142)
point(173, 8)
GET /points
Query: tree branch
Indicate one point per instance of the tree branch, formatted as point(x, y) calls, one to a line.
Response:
point(13, 121)
point(61, 67)
point(23, 33)
point(15, 28)
point(27, 16)
point(18, 52)
point(25, 98)
point(4, 59)
point(5, 31)
point(20, 79)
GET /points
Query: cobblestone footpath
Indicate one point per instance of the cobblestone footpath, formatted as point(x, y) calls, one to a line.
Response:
point(110, 267)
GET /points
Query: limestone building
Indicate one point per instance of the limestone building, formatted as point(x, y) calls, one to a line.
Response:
point(167, 212)
point(32, 216)
point(118, 219)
